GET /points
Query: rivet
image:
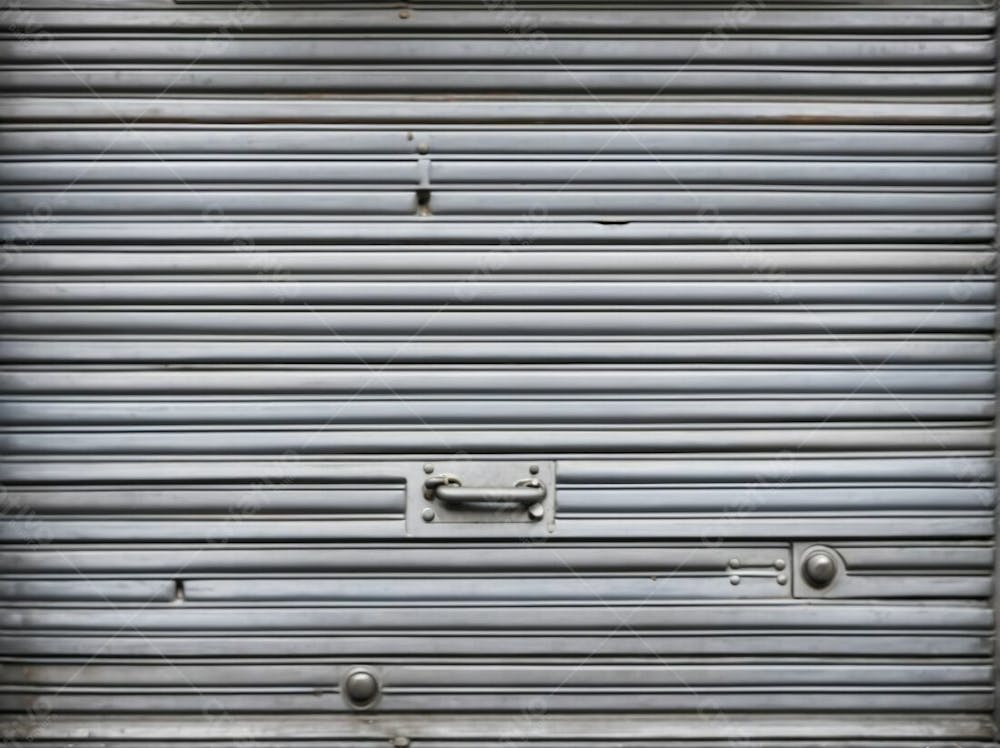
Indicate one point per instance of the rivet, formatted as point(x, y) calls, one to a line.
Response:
point(819, 569)
point(533, 469)
point(734, 579)
point(400, 741)
point(734, 563)
point(361, 688)
point(779, 564)
point(423, 148)
point(782, 579)
point(428, 468)
point(427, 514)
point(536, 511)
point(404, 14)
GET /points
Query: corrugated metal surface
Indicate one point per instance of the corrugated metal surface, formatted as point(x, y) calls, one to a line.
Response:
point(730, 267)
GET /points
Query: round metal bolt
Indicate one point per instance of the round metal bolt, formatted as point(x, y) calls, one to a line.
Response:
point(423, 148)
point(819, 569)
point(404, 14)
point(361, 688)
point(533, 469)
point(427, 515)
point(779, 564)
point(734, 579)
point(428, 468)
point(734, 563)
point(400, 741)
point(536, 511)
point(782, 579)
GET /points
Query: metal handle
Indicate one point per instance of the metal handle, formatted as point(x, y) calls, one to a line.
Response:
point(448, 488)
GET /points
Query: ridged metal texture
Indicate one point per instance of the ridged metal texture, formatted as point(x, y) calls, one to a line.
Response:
point(730, 267)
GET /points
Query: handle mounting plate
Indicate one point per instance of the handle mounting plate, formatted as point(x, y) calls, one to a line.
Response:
point(430, 512)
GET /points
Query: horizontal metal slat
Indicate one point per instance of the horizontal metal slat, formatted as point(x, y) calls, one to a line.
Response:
point(598, 205)
point(614, 500)
point(555, 79)
point(910, 558)
point(491, 676)
point(400, 561)
point(567, 700)
point(148, 261)
point(541, 322)
point(927, 726)
point(337, 412)
point(447, 173)
point(565, 644)
point(653, 617)
point(447, 590)
point(496, 441)
point(970, 17)
point(888, 350)
point(782, 470)
point(323, 48)
point(722, 293)
point(139, 109)
point(262, 496)
point(727, 524)
point(967, 471)
point(527, 229)
point(282, 141)
point(485, 644)
point(453, 382)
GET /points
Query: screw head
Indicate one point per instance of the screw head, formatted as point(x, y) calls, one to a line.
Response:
point(533, 469)
point(734, 579)
point(734, 563)
point(361, 688)
point(423, 148)
point(779, 564)
point(427, 515)
point(819, 568)
point(536, 511)
point(428, 468)
point(782, 579)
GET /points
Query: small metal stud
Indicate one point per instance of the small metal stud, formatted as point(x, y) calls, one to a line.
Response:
point(404, 14)
point(427, 515)
point(533, 469)
point(361, 688)
point(734, 579)
point(423, 148)
point(782, 579)
point(428, 468)
point(819, 569)
point(536, 511)
point(400, 741)
point(734, 563)
point(779, 564)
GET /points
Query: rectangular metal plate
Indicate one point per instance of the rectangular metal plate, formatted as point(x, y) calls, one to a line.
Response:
point(434, 518)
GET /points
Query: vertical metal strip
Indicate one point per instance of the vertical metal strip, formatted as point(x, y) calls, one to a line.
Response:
point(996, 418)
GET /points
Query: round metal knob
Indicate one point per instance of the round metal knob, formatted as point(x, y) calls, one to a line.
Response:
point(361, 688)
point(819, 568)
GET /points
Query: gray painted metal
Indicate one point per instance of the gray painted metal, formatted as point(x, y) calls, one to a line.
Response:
point(719, 278)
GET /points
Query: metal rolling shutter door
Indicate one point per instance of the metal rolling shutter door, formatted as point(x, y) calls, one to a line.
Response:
point(724, 273)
